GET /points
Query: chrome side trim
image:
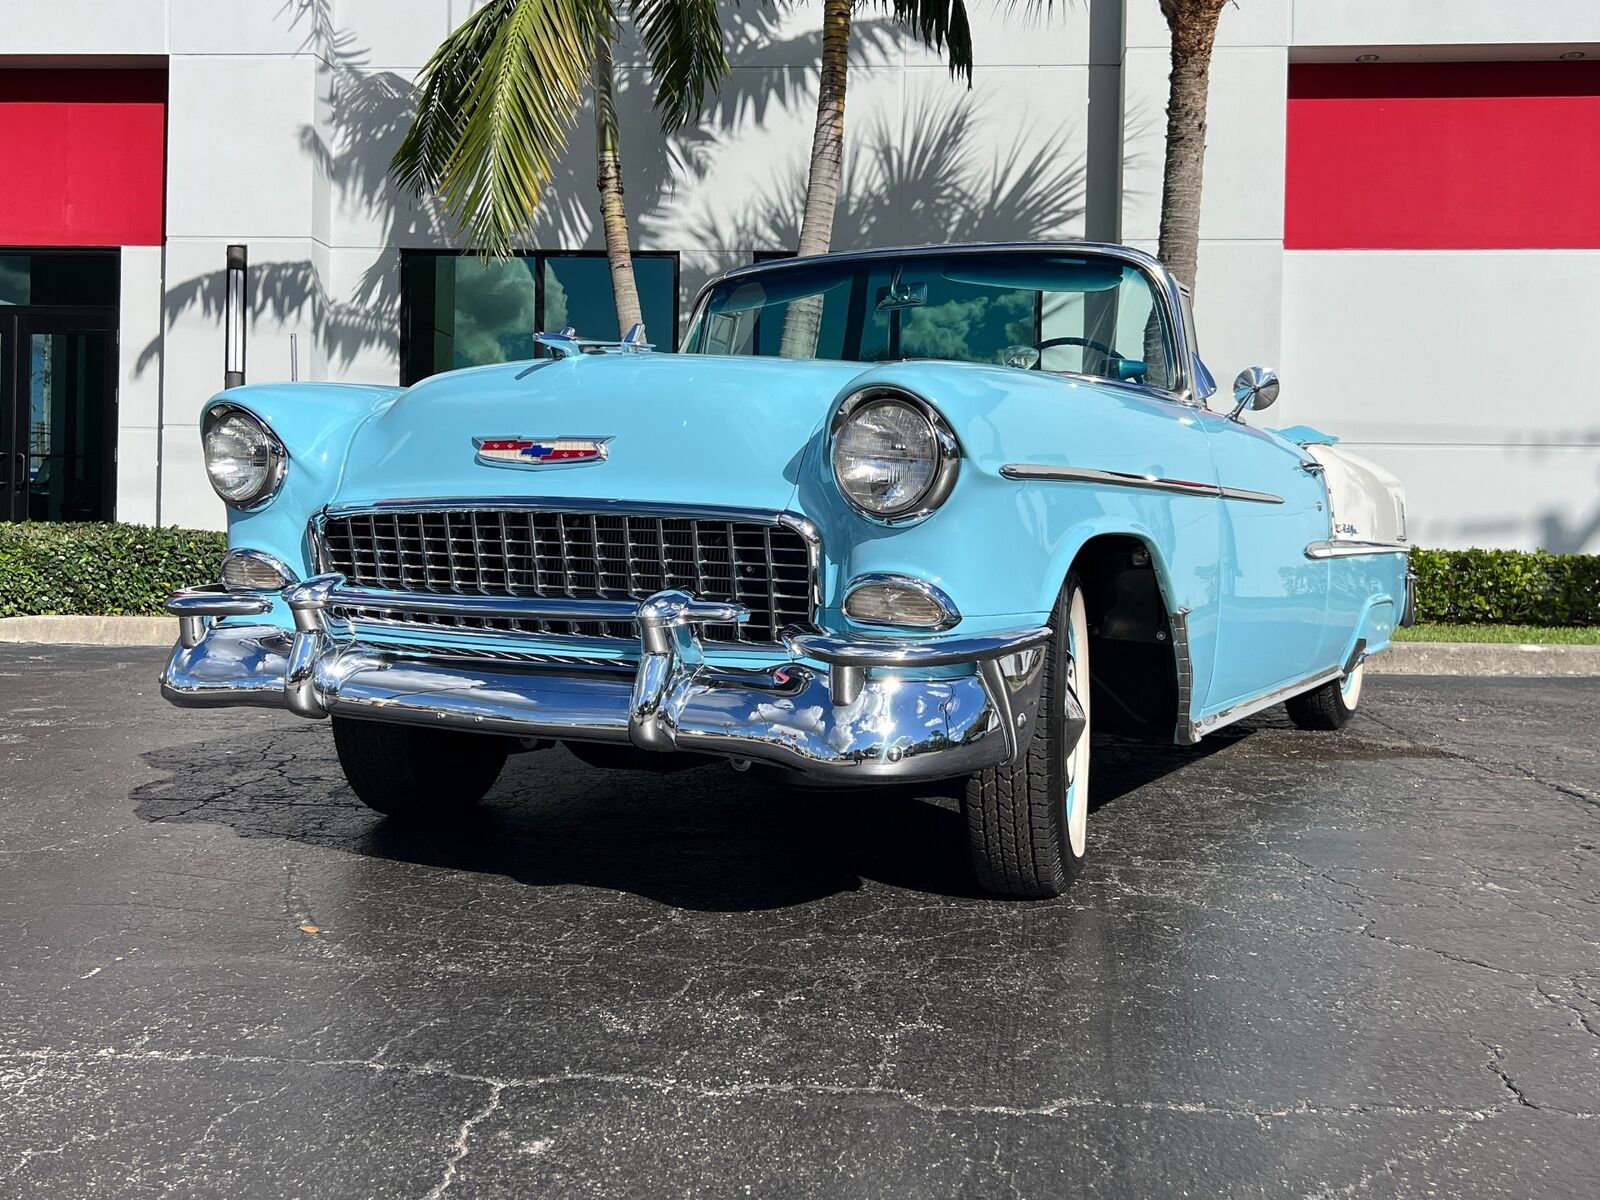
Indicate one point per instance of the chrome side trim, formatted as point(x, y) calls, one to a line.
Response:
point(952, 614)
point(1340, 549)
point(1229, 493)
point(1246, 708)
point(1149, 483)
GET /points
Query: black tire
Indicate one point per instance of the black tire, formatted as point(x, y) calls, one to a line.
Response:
point(414, 774)
point(1017, 814)
point(1329, 706)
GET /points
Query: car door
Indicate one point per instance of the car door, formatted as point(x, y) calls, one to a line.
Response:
point(1273, 599)
point(57, 417)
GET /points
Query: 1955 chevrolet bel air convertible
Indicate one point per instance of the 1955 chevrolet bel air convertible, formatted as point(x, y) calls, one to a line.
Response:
point(986, 507)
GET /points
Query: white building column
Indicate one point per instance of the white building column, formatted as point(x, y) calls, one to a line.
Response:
point(139, 365)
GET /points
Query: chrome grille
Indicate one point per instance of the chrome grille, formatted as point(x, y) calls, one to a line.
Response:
point(574, 555)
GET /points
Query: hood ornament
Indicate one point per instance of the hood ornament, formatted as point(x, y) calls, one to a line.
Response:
point(567, 343)
point(540, 452)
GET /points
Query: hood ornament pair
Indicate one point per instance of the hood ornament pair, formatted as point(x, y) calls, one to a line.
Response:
point(567, 343)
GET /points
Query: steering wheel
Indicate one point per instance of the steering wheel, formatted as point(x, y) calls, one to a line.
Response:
point(1086, 343)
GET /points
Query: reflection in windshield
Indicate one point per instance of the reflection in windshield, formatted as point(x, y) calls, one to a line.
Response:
point(1083, 314)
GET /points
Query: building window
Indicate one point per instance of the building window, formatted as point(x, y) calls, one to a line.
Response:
point(53, 279)
point(459, 311)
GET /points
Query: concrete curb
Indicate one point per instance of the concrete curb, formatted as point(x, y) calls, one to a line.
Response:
point(90, 631)
point(1403, 658)
point(1485, 658)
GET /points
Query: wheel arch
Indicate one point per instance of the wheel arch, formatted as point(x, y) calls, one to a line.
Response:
point(1140, 675)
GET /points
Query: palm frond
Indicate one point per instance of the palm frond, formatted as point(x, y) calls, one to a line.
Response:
point(498, 99)
point(942, 25)
point(684, 39)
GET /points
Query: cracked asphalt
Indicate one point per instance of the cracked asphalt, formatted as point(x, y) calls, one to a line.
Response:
point(1320, 965)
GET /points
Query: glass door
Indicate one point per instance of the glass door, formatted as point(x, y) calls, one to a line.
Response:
point(57, 417)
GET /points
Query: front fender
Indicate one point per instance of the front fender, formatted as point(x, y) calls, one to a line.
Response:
point(315, 422)
point(1001, 547)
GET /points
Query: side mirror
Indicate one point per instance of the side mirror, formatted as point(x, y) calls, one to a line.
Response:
point(1255, 388)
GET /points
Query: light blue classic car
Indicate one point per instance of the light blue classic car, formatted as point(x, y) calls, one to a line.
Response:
point(892, 517)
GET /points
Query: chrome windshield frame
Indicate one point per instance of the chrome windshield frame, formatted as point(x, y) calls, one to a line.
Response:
point(1161, 281)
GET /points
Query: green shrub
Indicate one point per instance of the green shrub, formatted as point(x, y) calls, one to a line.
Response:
point(100, 568)
point(111, 569)
point(1519, 587)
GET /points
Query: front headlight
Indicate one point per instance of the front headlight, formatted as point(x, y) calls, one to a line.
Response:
point(893, 455)
point(245, 460)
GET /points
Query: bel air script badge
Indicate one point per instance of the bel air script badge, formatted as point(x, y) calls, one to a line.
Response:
point(540, 452)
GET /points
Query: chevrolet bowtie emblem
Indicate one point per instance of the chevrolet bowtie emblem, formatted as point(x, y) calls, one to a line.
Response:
point(540, 452)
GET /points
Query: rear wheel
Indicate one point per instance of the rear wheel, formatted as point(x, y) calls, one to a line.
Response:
point(1329, 706)
point(1027, 822)
point(415, 774)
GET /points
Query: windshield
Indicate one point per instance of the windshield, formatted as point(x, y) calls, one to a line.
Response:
point(1085, 314)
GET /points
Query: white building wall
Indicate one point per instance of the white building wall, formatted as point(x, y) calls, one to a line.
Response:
point(283, 117)
point(1454, 369)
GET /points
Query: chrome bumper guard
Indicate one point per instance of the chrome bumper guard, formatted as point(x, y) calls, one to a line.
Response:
point(844, 708)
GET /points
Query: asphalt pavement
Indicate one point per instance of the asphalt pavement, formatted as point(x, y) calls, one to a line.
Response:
point(1321, 965)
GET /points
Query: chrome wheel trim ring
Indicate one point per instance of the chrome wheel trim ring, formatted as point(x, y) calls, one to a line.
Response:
point(1075, 766)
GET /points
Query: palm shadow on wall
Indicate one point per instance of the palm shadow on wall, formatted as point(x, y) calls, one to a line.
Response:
point(934, 171)
point(932, 174)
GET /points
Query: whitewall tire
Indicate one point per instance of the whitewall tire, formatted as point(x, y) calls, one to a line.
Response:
point(1027, 822)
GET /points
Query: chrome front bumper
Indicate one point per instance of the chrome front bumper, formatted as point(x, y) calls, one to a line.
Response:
point(842, 708)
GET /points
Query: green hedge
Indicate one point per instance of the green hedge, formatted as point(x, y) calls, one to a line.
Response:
point(1499, 587)
point(100, 568)
point(74, 568)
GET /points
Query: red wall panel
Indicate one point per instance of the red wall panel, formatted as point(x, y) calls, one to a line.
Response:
point(85, 157)
point(1443, 156)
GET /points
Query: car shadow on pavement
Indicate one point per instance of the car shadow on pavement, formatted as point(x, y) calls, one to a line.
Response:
point(706, 839)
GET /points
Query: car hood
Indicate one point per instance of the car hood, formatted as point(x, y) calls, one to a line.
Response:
point(690, 429)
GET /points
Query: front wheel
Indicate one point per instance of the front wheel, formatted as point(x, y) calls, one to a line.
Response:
point(1027, 822)
point(416, 774)
point(1329, 706)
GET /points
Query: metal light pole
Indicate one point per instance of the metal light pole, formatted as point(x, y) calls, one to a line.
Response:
point(235, 300)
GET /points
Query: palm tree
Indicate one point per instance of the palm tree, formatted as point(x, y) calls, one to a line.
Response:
point(1194, 33)
point(941, 24)
point(502, 92)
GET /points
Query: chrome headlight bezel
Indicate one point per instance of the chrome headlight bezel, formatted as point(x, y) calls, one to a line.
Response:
point(277, 467)
point(946, 451)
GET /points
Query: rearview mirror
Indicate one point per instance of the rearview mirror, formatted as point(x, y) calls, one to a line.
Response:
point(1255, 388)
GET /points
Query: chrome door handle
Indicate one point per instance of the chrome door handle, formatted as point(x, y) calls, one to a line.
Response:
point(1311, 466)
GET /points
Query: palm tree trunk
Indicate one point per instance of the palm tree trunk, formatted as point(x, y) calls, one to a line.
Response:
point(1194, 33)
point(613, 214)
point(804, 318)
